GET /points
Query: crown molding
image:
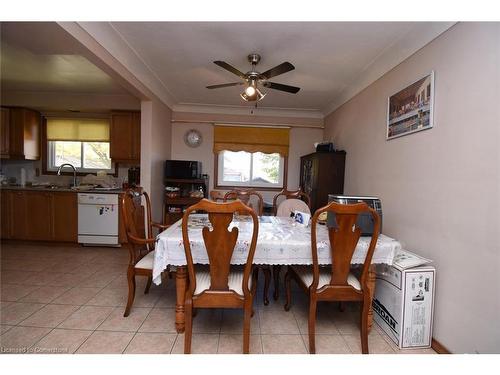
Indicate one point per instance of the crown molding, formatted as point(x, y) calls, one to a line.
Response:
point(248, 110)
point(405, 46)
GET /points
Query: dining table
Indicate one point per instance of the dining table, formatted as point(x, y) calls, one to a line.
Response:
point(280, 241)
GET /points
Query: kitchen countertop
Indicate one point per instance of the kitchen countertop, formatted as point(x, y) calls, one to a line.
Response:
point(61, 189)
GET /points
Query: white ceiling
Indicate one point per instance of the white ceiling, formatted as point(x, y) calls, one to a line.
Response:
point(330, 58)
point(42, 57)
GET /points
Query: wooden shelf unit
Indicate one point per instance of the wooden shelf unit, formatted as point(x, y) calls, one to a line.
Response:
point(180, 203)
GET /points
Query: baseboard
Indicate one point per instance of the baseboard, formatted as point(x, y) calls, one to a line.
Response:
point(438, 347)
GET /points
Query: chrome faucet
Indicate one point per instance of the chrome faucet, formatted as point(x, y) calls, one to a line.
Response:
point(74, 171)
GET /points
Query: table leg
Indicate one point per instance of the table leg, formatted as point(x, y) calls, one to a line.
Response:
point(371, 286)
point(180, 287)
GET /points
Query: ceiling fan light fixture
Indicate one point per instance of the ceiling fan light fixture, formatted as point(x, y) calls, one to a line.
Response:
point(245, 97)
point(260, 95)
point(250, 91)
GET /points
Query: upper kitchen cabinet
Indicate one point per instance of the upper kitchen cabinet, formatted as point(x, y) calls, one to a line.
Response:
point(125, 137)
point(20, 134)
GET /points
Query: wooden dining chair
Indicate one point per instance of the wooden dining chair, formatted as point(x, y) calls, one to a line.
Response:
point(250, 197)
point(221, 286)
point(336, 282)
point(140, 240)
point(216, 195)
point(290, 194)
point(253, 199)
point(289, 201)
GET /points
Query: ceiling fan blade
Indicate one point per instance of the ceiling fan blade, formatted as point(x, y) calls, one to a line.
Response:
point(224, 85)
point(281, 87)
point(231, 68)
point(277, 70)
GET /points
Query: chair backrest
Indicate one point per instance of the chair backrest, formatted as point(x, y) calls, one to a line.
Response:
point(134, 220)
point(343, 241)
point(286, 207)
point(250, 197)
point(217, 195)
point(219, 243)
point(289, 194)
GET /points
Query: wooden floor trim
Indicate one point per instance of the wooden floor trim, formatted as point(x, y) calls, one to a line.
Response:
point(438, 347)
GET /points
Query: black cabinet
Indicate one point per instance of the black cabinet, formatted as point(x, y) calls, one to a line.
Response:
point(322, 173)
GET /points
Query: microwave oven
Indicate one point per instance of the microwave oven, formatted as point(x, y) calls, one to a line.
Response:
point(182, 169)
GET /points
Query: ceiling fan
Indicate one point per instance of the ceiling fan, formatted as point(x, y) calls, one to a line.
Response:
point(253, 79)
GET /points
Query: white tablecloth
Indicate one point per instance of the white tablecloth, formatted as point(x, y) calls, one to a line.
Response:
point(280, 241)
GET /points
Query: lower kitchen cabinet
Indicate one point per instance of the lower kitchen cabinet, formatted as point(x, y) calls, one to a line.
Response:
point(39, 216)
point(5, 217)
point(18, 215)
point(64, 217)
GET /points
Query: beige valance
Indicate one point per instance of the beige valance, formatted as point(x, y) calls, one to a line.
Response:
point(251, 139)
point(77, 129)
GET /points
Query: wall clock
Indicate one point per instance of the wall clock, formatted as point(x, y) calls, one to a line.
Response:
point(193, 138)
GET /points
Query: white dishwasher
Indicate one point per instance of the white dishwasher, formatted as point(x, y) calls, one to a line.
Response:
point(98, 219)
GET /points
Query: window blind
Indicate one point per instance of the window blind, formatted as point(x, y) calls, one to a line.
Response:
point(251, 139)
point(77, 129)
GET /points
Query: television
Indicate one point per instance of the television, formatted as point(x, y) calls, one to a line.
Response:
point(183, 169)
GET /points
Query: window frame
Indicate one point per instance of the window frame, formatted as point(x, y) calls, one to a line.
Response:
point(46, 170)
point(51, 159)
point(235, 185)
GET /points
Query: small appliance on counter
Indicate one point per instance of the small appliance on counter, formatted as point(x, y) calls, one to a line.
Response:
point(404, 299)
point(134, 176)
point(365, 220)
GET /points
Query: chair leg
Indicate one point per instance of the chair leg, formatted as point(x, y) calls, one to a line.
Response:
point(267, 281)
point(188, 317)
point(312, 324)
point(246, 326)
point(364, 325)
point(341, 306)
point(131, 291)
point(276, 276)
point(255, 278)
point(148, 285)
point(288, 290)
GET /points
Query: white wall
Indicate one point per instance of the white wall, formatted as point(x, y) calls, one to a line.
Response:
point(301, 143)
point(440, 188)
point(155, 149)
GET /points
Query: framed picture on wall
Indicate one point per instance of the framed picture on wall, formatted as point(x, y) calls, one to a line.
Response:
point(411, 109)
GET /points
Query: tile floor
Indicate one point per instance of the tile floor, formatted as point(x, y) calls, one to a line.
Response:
point(70, 299)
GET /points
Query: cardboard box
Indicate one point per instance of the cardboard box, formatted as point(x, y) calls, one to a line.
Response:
point(404, 300)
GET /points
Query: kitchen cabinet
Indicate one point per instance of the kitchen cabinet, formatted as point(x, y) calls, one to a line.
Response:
point(64, 217)
point(20, 136)
point(5, 217)
point(322, 173)
point(4, 131)
point(125, 137)
point(38, 215)
point(18, 215)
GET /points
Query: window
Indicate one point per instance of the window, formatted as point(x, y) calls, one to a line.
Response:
point(251, 156)
point(85, 156)
point(84, 143)
point(257, 169)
